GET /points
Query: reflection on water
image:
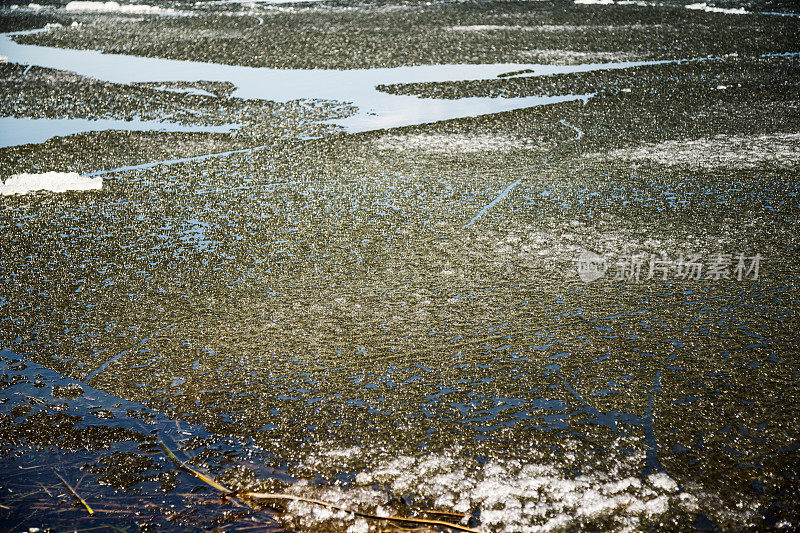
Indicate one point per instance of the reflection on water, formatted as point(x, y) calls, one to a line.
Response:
point(376, 109)
point(19, 131)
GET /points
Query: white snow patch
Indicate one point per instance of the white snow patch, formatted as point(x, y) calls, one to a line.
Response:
point(662, 481)
point(511, 495)
point(491, 27)
point(116, 7)
point(574, 57)
point(702, 6)
point(621, 485)
point(550, 27)
point(359, 526)
point(749, 151)
point(448, 143)
point(3, 59)
point(49, 181)
point(268, 1)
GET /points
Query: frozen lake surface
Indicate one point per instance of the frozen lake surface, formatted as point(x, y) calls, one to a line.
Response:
point(396, 321)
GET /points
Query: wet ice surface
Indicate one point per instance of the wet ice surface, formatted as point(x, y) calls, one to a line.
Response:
point(256, 321)
point(327, 300)
point(18, 131)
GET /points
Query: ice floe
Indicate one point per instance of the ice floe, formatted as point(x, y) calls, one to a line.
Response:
point(49, 181)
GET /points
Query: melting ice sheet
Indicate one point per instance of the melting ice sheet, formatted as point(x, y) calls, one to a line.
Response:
point(18, 131)
point(376, 109)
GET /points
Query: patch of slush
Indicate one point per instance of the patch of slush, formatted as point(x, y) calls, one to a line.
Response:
point(464, 143)
point(702, 6)
point(699, 6)
point(506, 495)
point(269, 1)
point(741, 152)
point(49, 181)
point(638, 3)
point(551, 27)
point(116, 7)
point(492, 27)
point(574, 57)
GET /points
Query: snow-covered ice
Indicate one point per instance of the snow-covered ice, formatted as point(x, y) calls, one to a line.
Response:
point(116, 7)
point(512, 495)
point(721, 151)
point(49, 181)
point(453, 142)
point(702, 6)
point(598, 2)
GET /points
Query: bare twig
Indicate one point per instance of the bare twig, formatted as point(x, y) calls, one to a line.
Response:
point(89, 509)
point(32, 398)
point(186, 468)
point(279, 496)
